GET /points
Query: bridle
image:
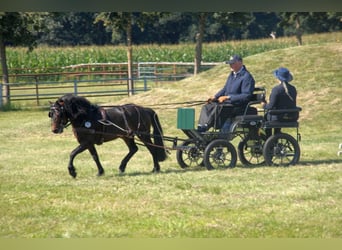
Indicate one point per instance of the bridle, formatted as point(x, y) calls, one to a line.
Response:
point(58, 116)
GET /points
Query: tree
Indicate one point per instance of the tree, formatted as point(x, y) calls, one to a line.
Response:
point(17, 28)
point(73, 29)
point(299, 23)
point(229, 19)
point(262, 25)
point(124, 21)
point(199, 40)
point(294, 19)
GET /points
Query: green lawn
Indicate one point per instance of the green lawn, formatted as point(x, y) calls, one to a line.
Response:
point(40, 200)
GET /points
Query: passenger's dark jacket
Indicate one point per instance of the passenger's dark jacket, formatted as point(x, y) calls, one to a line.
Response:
point(279, 99)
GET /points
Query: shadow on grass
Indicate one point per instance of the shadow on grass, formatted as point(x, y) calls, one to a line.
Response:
point(168, 171)
point(199, 168)
point(319, 162)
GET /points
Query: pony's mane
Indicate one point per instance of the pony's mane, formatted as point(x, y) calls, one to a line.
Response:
point(76, 105)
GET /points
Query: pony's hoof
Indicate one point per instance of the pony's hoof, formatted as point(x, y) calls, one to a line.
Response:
point(72, 172)
point(121, 170)
point(100, 173)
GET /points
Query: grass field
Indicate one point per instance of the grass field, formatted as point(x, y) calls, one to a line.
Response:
point(40, 200)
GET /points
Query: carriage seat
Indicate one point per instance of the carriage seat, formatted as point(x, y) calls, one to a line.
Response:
point(282, 124)
point(278, 124)
point(248, 118)
point(251, 113)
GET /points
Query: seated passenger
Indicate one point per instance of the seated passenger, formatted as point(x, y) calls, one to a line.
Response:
point(237, 92)
point(283, 96)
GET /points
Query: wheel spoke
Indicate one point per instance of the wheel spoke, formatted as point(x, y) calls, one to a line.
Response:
point(281, 150)
point(220, 154)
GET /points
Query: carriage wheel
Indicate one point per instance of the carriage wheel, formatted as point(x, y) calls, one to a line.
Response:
point(281, 150)
point(220, 154)
point(250, 151)
point(191, 156)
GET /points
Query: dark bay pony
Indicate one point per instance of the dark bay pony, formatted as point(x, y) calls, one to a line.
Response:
point(95, 125)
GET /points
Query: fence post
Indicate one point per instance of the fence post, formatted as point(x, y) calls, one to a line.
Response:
point(145, 84)
point(75, 87)
point(37, 91)
point(130, 88)
point(1, 94)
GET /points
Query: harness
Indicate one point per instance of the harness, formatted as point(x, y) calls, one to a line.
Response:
point(129, 132)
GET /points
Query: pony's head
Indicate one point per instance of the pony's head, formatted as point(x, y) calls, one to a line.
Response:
point(58, 117)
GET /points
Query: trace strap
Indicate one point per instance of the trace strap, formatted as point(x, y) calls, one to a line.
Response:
point(109, 123)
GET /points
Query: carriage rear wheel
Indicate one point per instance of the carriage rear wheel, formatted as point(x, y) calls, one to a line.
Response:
point(250, 151)
point(218, 154)
point(281, 150)
point(191, 155)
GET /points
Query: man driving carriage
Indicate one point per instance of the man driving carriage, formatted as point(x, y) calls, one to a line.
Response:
point(231, 100)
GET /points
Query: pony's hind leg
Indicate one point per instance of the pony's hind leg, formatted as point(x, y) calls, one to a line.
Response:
point(153, 150)
point(133, 148)
point(96, 158)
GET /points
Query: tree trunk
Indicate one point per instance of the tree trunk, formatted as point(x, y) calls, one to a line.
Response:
point(129, 55)
point(6, 93)
point(199, 41)
point(299, 32)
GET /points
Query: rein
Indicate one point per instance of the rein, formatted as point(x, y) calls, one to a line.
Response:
point(67, 125)
point(186, 104)
point(190, 103)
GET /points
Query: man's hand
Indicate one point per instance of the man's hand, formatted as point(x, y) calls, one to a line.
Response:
point(223, 99)
point(211, 99)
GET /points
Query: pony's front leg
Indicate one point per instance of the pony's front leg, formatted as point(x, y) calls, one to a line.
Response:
point(95, 156)
point(76, 151)
point(132, 150)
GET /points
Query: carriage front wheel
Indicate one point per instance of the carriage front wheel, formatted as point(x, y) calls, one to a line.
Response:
point(190, 154)
point(281, 150)
point(218, 154)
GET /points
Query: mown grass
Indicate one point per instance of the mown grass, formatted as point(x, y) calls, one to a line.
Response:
point(40, 200)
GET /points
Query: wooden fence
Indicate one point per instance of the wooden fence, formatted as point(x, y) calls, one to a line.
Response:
point(157, 70)
point(96, 79)
point(38, 91)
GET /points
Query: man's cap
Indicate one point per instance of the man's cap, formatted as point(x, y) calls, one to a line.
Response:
point(234, 59)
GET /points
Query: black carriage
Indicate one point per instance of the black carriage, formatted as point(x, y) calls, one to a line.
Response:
point(214, 149)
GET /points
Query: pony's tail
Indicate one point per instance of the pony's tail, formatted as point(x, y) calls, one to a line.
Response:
point(158, 137)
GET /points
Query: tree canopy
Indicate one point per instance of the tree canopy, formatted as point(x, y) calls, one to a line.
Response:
point(79, 28)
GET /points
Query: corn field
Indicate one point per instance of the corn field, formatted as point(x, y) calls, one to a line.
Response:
point(53, 59)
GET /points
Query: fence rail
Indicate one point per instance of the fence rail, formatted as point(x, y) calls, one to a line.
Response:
point(170, 70)
point(38, 91)
point(90, 80)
